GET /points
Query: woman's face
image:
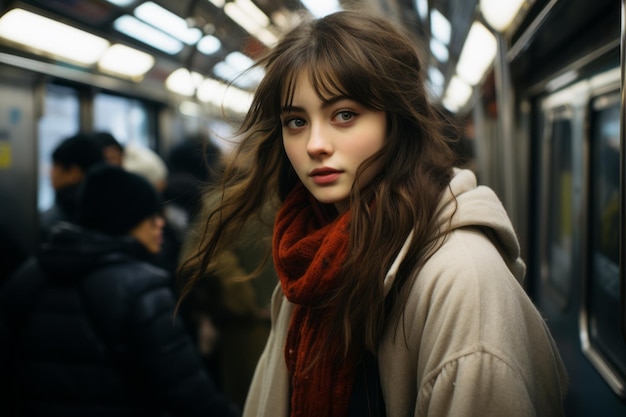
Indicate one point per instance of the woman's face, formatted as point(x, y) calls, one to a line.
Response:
point(326, 142)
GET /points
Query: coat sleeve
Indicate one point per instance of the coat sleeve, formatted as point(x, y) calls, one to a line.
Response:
point(476, 384)
point(163, 353)
point(469, 341)
point(132, 306)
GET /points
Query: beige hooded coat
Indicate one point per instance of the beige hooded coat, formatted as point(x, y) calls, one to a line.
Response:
point(471, 342)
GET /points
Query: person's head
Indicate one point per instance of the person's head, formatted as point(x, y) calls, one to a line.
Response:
point(115, 202)
point(112, 150)
point(363, 60)
point(72, 158)
point(144, 161)
point(196, 155)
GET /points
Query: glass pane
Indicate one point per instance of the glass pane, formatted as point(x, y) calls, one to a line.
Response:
point(126, 119)
point(603, 281)
point(60, 120)
point(560, 207)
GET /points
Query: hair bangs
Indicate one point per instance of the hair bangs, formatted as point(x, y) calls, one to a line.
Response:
point(327, 79)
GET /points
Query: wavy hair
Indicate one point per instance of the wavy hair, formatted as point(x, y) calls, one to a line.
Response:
point(368, 59)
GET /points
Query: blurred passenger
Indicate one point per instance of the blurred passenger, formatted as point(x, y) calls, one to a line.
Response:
point(399, 277)
point(193, 164)
point(145, 162)
point(112, 150)
point(229, 308)
point(87, 327)
point(70, 161)
point(12, 252)
point(228, 312)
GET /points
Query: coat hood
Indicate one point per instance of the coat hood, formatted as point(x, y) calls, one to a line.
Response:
point(72, 251)
point(465, 204)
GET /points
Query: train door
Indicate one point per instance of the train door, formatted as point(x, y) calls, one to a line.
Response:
point(18, 192)
point(560, 195)
point(601, 338)
point(578, 240)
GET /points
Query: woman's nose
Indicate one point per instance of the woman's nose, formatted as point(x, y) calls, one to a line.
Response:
point(319, 143)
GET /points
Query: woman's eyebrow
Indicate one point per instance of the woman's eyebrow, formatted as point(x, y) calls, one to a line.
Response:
point(290, 109)
point(325, 103)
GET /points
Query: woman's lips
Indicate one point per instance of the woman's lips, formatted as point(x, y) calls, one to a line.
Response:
point(322, 176)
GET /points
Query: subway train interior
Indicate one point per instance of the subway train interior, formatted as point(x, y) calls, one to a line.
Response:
point(536, 84)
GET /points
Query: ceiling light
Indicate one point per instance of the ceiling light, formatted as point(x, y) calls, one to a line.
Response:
point(145, 33)
point(238, 61)
point(321, 8)
point(218, 3)
point(440, 27)
point(436, 81)
point(422, 8)
point(477, 54)
point(286, 19)
point(190, 109)
point(51, 37)
point(168, 22)
point(120, 59)
point(439, 50)
point(209, 45)
point(223, 95)
point(183, 82)
point(238, 69)
point(435, 76)
point(254, 12)
point(500, 13)
point(122, 3)
point(457, 94)
point(251, 19)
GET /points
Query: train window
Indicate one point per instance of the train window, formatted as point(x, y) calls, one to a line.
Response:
point(60, 120)
point(559, 229)
point(602, 281)
point(127, 119)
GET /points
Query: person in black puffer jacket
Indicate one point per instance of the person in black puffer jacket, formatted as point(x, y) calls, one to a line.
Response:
point(87, 327)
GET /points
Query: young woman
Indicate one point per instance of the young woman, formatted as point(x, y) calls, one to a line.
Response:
point(399, 277)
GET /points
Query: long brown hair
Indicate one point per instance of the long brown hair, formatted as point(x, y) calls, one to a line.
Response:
point(368, 59)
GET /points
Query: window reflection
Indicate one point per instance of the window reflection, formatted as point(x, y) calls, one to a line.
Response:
point(560, 207)
point(60, 120)
point(126, 119)
point(603, 280)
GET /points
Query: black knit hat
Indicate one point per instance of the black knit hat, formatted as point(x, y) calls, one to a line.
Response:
point(114, 201)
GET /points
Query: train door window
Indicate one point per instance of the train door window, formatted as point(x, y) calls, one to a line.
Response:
point(126, 119)
point(559, 240)
point(602, 281)
point(60, 119)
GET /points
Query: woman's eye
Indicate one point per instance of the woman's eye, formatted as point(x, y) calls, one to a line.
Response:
point(294, 123)
point(344, 116)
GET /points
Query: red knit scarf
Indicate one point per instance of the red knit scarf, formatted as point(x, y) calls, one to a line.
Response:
point(308, 253)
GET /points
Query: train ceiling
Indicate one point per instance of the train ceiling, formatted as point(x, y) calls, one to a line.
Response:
point(210, 17)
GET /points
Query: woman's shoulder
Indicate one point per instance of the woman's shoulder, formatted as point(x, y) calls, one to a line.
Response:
point(467, 283)
point(468, 257)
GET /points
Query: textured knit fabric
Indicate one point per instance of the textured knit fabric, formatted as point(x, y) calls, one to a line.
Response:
point(308, 253)
point(469, 343)
point(114, 201)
